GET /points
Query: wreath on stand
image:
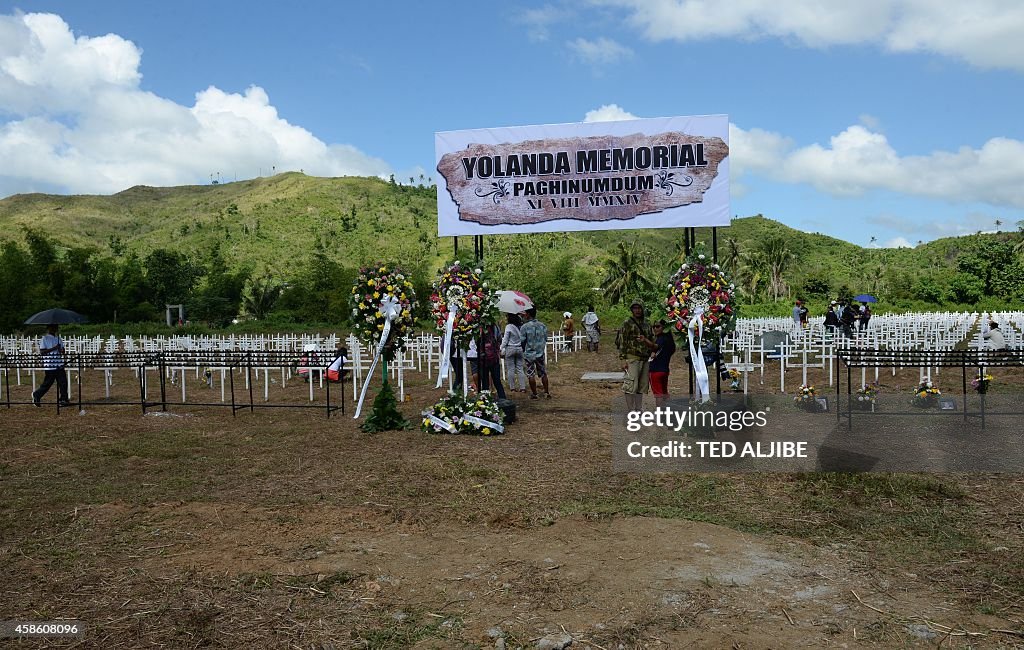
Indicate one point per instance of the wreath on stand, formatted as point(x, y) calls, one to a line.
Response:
point(701, 303)
point(461, 304)
point(701, 286)
point(382, 302)
point(464, 288)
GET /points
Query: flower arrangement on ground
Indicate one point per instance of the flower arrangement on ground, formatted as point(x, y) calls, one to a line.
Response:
point(981, 382)
point(864, 399)
point(465, 287)
point(477, 415)
point(370, 287)
point(806, 399)
point(701, 285)
point(734, 380)
point(926, 396)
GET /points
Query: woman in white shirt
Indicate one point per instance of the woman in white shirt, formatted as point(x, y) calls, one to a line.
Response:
point(512, 350)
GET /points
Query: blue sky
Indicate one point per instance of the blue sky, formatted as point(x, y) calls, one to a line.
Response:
point(898, 120)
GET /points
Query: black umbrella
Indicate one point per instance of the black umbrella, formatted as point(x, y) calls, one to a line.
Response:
point(56, 317)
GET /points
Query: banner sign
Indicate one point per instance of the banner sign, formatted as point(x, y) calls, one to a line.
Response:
point(658, 173)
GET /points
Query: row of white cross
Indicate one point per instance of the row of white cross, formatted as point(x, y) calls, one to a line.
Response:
point(312, 354)
point(817, 347)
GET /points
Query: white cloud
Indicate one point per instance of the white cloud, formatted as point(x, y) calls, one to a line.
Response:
point(608, 113)
point(603, 51)
point(897, 242)
point(985, 33)
point(82, 124)
point(929, 229)
point(859, 160)
point(539, 21)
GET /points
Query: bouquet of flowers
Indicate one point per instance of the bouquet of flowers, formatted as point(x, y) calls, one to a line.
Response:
point(926, 396)
point(701, 285)
point(981, 382)
point(375, 282)
point(734, 379)
point(864, 399)
point(478, 415)
point(444, 416)
point(806, 399)
point(463, 286)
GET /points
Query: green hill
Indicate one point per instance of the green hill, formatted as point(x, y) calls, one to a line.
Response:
point(291, 233)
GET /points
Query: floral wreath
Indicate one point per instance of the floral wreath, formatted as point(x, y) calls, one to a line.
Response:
point(477, 415)
point(464, 286)
point(701, 284)
point(375, 282)
point(926, 396)
point(806, 398)
point(865, 397)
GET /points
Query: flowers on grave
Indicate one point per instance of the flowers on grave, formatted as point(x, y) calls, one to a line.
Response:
point(373, 284)
point(734, 380)
point(476, 415)
point(465, 288)
point(702, 286)
point(926, 396)
point(806, 399)
point(864, 398)
point(981, 382)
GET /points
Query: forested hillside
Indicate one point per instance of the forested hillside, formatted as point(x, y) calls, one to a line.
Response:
point(284, 250)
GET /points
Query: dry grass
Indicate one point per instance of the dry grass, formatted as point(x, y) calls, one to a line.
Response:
point(104, 516)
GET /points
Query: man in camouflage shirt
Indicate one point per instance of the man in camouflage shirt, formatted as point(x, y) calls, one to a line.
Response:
point(635, 343)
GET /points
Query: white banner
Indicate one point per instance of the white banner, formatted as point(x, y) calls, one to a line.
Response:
point(670, 172)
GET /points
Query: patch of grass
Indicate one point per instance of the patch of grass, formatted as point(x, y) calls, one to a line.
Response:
point(408, 630)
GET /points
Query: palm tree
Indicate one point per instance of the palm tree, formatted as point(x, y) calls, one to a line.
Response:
point(732, 255)
point(768, 263)
point(261, 297)
point(627, 275)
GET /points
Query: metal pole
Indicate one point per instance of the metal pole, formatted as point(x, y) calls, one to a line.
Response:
point(456, 240)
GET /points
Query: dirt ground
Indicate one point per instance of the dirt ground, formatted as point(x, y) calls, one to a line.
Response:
point(282, 528)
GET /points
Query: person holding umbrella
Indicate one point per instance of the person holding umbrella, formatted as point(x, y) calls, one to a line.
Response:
point(52, 350)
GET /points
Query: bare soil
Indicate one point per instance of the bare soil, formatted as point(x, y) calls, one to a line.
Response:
point(282, 528)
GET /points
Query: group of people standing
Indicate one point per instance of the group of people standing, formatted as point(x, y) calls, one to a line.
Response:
point(645, 350)
point(839, 317)
point(521, 344)
point(845, 318)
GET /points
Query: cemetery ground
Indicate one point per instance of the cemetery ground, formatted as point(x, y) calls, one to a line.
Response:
point(281, 528)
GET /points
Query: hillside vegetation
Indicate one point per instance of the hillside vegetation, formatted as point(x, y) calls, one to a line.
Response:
point(283, 249)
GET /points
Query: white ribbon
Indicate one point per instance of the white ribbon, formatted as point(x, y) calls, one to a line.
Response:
point(442, 372)
point(700, 369)
point(472, 419)
point(444, 424)
point(390, 308)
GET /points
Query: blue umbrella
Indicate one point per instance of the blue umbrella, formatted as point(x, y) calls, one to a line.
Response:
point(865, 298)
point(55, 317)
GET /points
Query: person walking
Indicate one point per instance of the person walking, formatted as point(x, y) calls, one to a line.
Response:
point(635, 342)
point(535, 338)
point(52, 350)
point(592, 326)
point(659, 364)
point(568, 331)
point(512, 350)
